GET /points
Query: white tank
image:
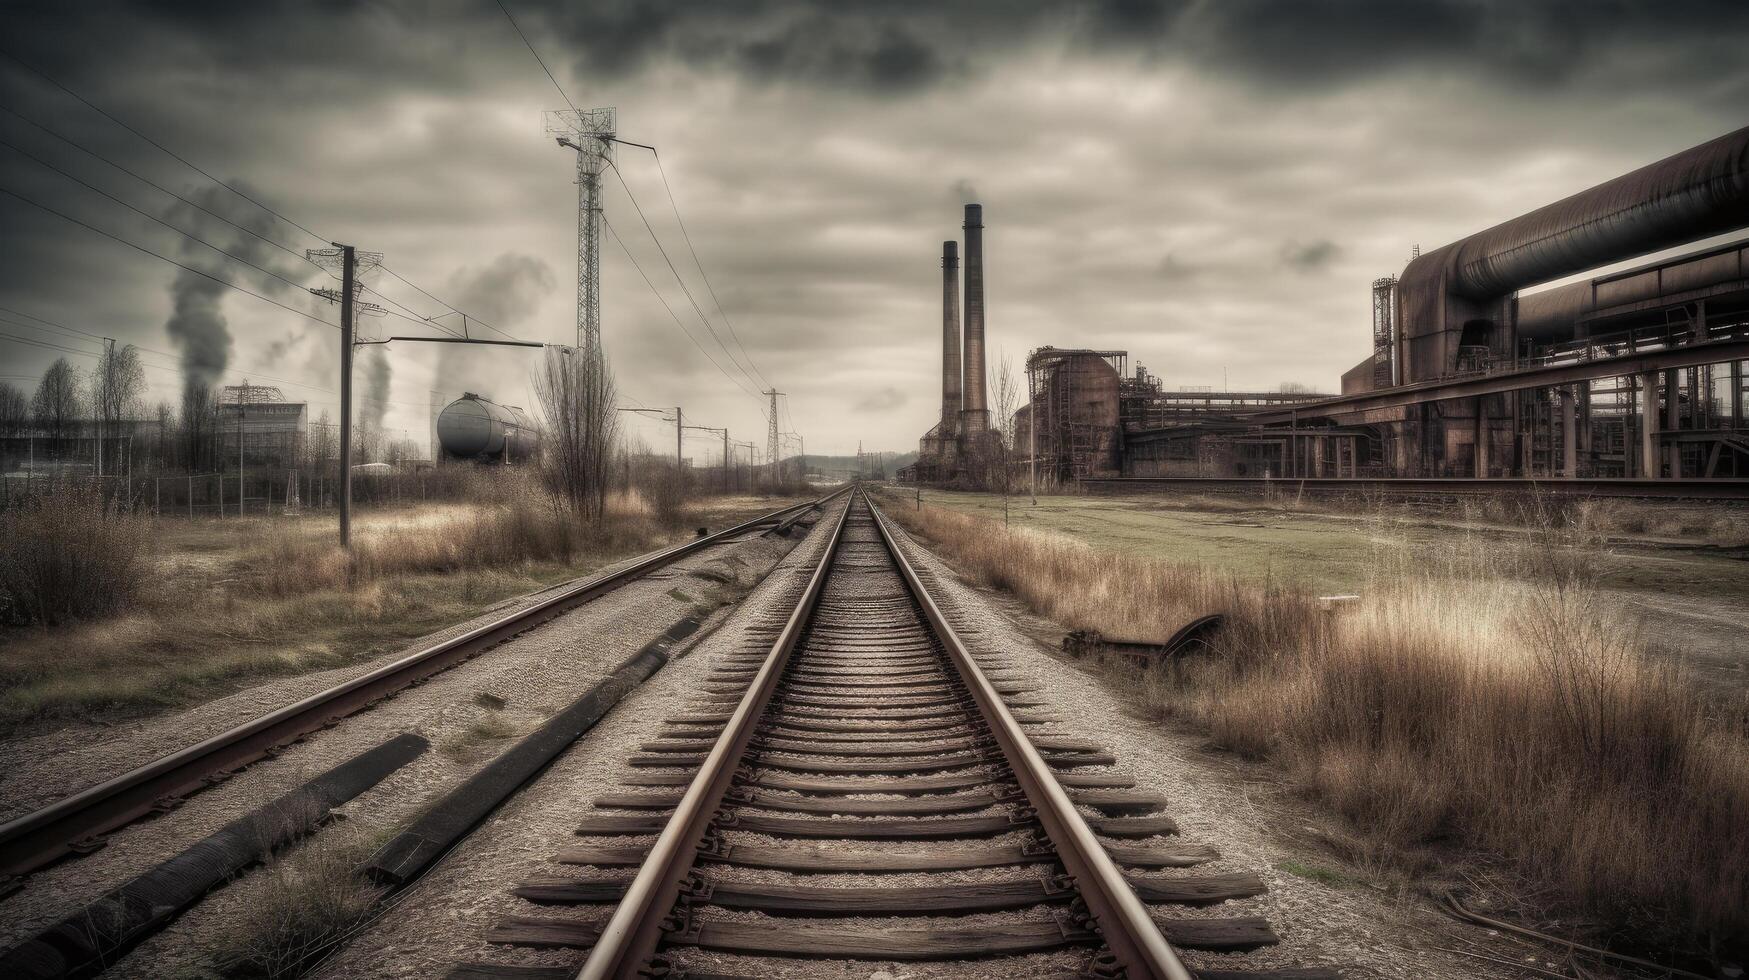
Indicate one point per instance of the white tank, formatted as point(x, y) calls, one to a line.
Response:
point(475, 427)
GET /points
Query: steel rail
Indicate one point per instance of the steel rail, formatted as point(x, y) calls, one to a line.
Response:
point(1696, 488)
point(1124, 923)
point(631, 936)
point(73, 823)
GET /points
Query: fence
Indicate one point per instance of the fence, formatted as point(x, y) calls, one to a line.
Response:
point(269, 493)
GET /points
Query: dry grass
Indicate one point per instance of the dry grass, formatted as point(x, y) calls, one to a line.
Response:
point(308, 900)
point(1454, 704)
point(246, 600)
point(71, 554)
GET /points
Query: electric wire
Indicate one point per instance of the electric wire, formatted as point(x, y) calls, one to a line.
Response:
point(677, 321)
point(141, 248)
point(538, 59)
point(166, 150)
point(696, 308)
point(416, 317)
point(687, 237)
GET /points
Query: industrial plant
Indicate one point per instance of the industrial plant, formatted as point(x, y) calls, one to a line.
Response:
point(1633, 374)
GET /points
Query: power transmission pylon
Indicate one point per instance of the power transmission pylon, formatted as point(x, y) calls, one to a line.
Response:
point(771, 446)
point(590, 133)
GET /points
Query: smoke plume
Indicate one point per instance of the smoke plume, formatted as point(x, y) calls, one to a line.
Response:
point(505, 293)
point(197, 324)
point(376, 390)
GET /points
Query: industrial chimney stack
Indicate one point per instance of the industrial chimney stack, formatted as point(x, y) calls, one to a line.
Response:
point(950, 344)
point(974, 418)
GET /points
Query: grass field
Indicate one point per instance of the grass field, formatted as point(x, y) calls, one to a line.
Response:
point(228, 602)
point(1684, 581)
point(1481, 695)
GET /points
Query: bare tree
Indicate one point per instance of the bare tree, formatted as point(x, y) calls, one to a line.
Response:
point(199, 424)
point(116, 385)
point(322, 439)
point(14, 411)
point(576, 394)
point(1005, 389)
point(55, 406)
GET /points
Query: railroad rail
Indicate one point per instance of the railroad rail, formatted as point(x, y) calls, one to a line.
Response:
point(77, 823)
point(1695, 489)
point(859, 742)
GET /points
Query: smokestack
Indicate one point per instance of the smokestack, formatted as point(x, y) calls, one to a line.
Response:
point(974, 418)
point(950, 341)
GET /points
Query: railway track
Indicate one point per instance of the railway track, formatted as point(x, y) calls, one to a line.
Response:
point(853, 784)
point(78, 823)
point(1432, 488)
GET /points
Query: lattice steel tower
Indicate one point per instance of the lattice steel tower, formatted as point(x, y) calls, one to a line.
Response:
point(590, 133)
point(771, 448)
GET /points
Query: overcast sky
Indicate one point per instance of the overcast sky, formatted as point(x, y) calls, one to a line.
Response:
point(1209, 185)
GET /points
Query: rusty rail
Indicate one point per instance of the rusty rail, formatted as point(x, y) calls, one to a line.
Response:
point(631, 936)
point(1129, 932)
point(74, 824)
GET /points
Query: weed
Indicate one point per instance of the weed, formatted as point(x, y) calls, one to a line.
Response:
point(1509, 709)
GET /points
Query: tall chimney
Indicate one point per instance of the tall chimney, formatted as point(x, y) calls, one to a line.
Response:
point(974, 418)
point(950, 343)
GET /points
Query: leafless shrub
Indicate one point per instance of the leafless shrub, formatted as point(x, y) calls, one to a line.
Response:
point(309, 899)
point(72, 554)
point(576, 394)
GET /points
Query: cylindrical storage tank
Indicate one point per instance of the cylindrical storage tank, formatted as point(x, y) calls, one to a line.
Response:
point(475, 427)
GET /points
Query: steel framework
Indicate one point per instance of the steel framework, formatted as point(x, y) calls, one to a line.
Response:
point(589, 132)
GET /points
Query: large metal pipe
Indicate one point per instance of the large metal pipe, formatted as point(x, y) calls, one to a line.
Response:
point(1699, 192)
point(950, 341)
point(975, 418)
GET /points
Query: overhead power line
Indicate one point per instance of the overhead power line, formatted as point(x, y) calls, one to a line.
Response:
point(677, 321)
point(141, 248)
point(166, 150)
point(297, 253)
point(677, 277)
point(687, 237)
point(538, 59)
point(416, 317)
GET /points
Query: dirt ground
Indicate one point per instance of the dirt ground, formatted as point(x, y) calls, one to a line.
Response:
point(1690, 596)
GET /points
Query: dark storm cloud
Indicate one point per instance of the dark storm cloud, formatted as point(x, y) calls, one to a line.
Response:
point(900, 46)
point(1153, 171)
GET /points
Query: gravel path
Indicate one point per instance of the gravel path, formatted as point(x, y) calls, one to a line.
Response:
point(441, 919)
point(1365, 932)
point(467, 713)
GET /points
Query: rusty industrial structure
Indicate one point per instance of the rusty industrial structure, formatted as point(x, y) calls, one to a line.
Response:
point(1631, 375)
point(958, 445)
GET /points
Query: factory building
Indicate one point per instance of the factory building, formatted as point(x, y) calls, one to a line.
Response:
point(257, 420)
point(1473, 371)
point(1636, 373)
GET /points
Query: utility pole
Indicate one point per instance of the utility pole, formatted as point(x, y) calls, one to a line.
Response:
point(725, 434)
point(242, 410)
point(347, 258)
point(679, 437)
point(348, 280)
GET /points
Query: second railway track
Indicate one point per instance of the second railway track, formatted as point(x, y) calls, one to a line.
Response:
point(79, 822)
point(854, 785)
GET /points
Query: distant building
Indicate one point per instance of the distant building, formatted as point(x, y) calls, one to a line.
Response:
point(272, 430)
